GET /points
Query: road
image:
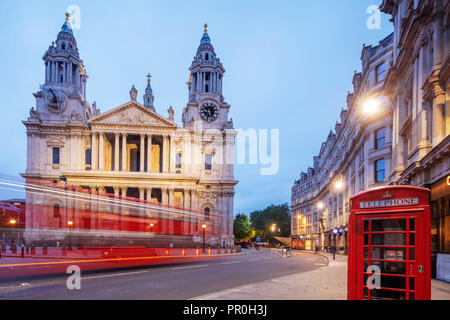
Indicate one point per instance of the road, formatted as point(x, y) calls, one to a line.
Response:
point(169, 282)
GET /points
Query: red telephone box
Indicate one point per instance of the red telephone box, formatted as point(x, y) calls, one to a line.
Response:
point(389, 253)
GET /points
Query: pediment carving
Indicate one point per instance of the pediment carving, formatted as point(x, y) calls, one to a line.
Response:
point(132, 114)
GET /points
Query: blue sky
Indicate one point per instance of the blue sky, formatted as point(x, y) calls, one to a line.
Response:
point(289, 66)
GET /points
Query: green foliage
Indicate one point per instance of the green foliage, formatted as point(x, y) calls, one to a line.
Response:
point(263, 220)
point(241, 227)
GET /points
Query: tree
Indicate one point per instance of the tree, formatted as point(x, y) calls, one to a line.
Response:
point(241, 227)
point(262, 221)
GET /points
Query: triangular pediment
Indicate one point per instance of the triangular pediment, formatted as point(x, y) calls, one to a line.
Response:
point(132, 113)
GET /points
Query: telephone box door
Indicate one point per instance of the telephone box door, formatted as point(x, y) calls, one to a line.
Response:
point(390, 266)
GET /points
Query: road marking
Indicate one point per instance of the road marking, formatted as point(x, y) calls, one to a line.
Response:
point(190, 267)
point(112, 275)
point(254, 259)
point(231, 262)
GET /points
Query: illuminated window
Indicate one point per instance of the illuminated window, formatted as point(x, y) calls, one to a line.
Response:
point(379, 170)
point(56, 155)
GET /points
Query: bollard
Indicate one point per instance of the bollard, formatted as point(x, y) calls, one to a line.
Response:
point(209, 251)
point(27, 250)
point(44, 250)
point(64, 250)
point(4, 248)
point(183, 252)
point(22, 251)
point(33, 250)
point(197, 251)
point(14, 248)
point(167, 252)
point(218, 251)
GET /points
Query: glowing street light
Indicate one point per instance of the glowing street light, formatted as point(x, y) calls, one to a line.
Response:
point(12, 221)
point(320, 205)
point(371, 106)
point(204, 237)
point(70, 225)
point(339, 185)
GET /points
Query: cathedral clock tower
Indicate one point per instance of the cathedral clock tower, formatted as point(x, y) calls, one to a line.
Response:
point(206, 102)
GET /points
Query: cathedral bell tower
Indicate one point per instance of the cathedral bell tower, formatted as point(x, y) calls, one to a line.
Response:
point(206, 102)
point(62, 97)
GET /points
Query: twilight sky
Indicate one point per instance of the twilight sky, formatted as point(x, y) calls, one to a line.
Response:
point(289, 66)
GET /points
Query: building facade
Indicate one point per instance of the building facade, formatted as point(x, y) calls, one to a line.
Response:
point(356, 156)
point(132, 150)
point(405, 141)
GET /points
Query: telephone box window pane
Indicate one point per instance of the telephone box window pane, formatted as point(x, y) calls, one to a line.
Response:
point(366, 293)
point(389, 225)
point(389, 253)
point(366, 253)
point(381, 294)
point(411, 296)
point(366, 225)
point(390, 267)
point(412, 239)
point(366, 239)
point(412, 254)
point(412, 224)
point(411, 283)
point(396, 239)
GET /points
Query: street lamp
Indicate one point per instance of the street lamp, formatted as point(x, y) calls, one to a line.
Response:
point(70, 225)
point(204, 237)
point(13, 223)
point(320, 205)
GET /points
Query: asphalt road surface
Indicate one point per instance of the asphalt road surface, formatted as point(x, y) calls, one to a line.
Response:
point(168, 282)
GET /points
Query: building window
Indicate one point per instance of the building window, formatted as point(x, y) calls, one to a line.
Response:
point(88, 156)
point(178, 161)
point(379, 170)
point(56, 211)
point(56, 155)
point(207, 213)
point(380, 138)
point(208, 162)
point(381, 72)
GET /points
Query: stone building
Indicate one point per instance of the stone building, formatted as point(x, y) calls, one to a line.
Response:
point(418, 86)
point(407, 141)
point(132, 150)
point(356, 156)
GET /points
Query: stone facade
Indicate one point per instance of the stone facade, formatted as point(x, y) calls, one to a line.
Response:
point(131, 150)
point(413, 69)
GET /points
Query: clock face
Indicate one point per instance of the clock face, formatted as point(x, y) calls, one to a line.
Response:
point(209, 111)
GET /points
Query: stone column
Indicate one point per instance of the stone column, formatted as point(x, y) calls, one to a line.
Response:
point(164, 151)
point(438, 37)
point(101, 151)
point(141, 193)
point(124, 152)
point(149, 193)
point(171, 155)
point(170, 217)
point(149, 153)
point(94, 154)
point(142, 154)
point(116, 151)
point(163, 215)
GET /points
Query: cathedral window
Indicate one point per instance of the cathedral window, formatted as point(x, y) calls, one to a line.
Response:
point(207, 213)
point(178, 161)
point(56, 155)
point(206, 56)
point(63, 46)
point(208, 162)
point(88, 156)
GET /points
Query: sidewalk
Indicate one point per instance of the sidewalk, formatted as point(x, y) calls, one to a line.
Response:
point(326, 283)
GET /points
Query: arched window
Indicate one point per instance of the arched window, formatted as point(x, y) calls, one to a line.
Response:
point(207, 212)
point(63, 46)
point(206, 56)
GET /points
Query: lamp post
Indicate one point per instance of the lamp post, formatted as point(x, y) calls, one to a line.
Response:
point(13, 223)
point(204, 237)
point(70, 225)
